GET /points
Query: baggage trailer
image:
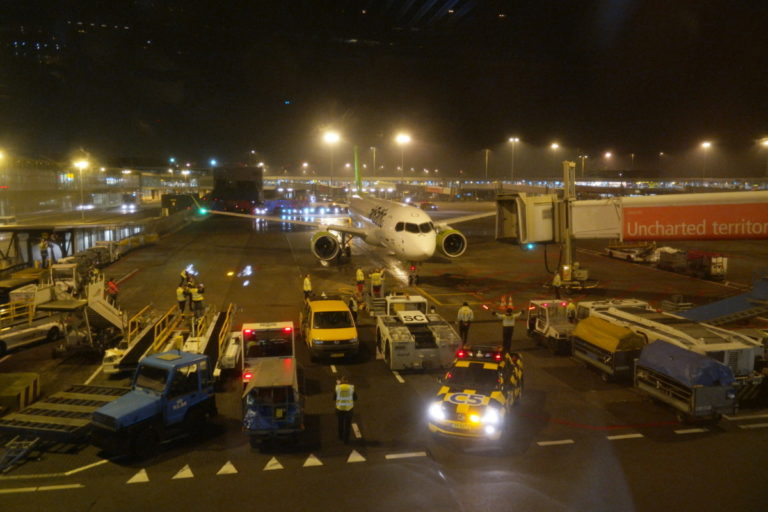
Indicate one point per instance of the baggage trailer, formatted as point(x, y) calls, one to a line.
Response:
point(611, 349)
point(696, 386)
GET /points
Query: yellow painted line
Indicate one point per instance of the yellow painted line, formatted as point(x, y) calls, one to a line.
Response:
point(18, 489)
point(448, 294)
point(89, 466)
point(43, 488)
point(430, 297)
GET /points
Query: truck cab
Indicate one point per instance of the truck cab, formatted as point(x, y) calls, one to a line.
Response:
point(549, 325)
point(170, 391)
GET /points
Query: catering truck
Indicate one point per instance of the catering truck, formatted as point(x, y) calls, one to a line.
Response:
point(411, 338)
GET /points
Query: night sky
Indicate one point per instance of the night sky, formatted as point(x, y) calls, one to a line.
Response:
point(201, 78)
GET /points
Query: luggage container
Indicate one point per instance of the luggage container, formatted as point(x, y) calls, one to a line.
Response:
point(697, 386)
point(609, 348)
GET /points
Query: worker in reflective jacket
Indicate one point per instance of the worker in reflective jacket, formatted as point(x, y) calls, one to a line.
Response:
point(507, 327)
point(344, 397)
point(307, 287)
point(377, 279)
point(196, 292)
point(112, 291)
point(181, 298)
point(360, 279)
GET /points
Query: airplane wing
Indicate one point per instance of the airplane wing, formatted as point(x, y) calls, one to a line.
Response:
point(465, 218)
point(349, 230)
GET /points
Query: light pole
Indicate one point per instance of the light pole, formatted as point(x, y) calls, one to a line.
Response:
point(513, 141)
point(554, 147)
point(705, 146)
point(607, 155)
point(764, 143)
point(487, 154)
point(583, 158)
point(331, 138)
point(402, 139)
point(81, 165)
point(373, 150)
point(632, 161)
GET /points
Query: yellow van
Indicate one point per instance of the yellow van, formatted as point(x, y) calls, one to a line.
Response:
point(328, 328)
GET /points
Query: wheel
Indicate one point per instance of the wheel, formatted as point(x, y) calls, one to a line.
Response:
point(378, 341)
point(387, 355)
point(53, 334)
point(144, 443)
point(254, 442)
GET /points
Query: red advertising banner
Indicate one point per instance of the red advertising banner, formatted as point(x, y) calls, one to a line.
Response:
point(696, 222)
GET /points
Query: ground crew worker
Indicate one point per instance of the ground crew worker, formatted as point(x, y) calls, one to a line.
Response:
point(112, 291)
point(377, 278)
point(186, 278)
point(307, 287)
point(360, 279)
point(464, 319)
point(557, 283)
point(196, 292)
point(353, 307)
point(181, 297)
point(43, 246)
point(570, 311)
point(507, 327)
point(344, 397)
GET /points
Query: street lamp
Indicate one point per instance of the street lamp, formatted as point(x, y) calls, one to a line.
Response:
point(764, 143)
point(554, 147)
point(81, 166)
point(513, 141)
point(402, 140)
point(331, 138)
point(705, 146)
point(583, 158)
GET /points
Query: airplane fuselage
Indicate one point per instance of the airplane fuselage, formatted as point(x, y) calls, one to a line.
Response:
point(405, 230)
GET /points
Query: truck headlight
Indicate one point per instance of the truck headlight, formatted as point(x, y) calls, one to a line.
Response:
point(491, 416)
point(353, 341)
point(317, 342)
point(436, 411)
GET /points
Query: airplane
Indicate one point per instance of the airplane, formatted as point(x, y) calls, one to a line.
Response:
point(405, 230)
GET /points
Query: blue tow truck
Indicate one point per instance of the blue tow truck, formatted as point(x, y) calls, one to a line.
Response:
point(171, 393)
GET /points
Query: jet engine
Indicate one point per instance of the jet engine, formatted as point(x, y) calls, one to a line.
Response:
point(325, 246)
point(451, 243)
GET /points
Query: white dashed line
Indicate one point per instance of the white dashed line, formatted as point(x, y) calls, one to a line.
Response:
point(624, 436)
point(399, 378)
point(754, 425)
point(333, 368)
point(356, 430)
point(555, 443)
point(405, 455)
point(691, 431)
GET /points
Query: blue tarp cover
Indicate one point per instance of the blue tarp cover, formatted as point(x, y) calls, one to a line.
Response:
point(686, 367)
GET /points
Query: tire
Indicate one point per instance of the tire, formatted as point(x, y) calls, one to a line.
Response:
point(378, 341)
point(254, 442)
point(388, 355)
point(144, 443)
point(53, 334)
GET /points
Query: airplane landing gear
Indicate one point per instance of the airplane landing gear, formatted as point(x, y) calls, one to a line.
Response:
point(413, 276)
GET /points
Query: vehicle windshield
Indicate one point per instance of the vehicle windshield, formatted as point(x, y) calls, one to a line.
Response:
point(472, 377)
point(408, 306)
point(426, 227)
point(268, 343)
point(411, 228)
point(333, 320)
point(152, 379)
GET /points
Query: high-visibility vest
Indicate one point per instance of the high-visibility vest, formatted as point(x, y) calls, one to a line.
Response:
point(465, 314)
point(360, 276)
point(181, 294)
point(556, 281)
point(376, 279)
point(196, 295)
point(112, 288)
point(352, 305)
point(345, 397)
point(307, 285)
point(508, 320)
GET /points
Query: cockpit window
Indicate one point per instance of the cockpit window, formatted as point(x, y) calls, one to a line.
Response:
point(426, 227)
point(399, 226)
point(412, 228)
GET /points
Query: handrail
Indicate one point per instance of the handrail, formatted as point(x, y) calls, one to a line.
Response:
point(225, 326)
point(164, 327)
point(17, 310)
point(135, 322)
